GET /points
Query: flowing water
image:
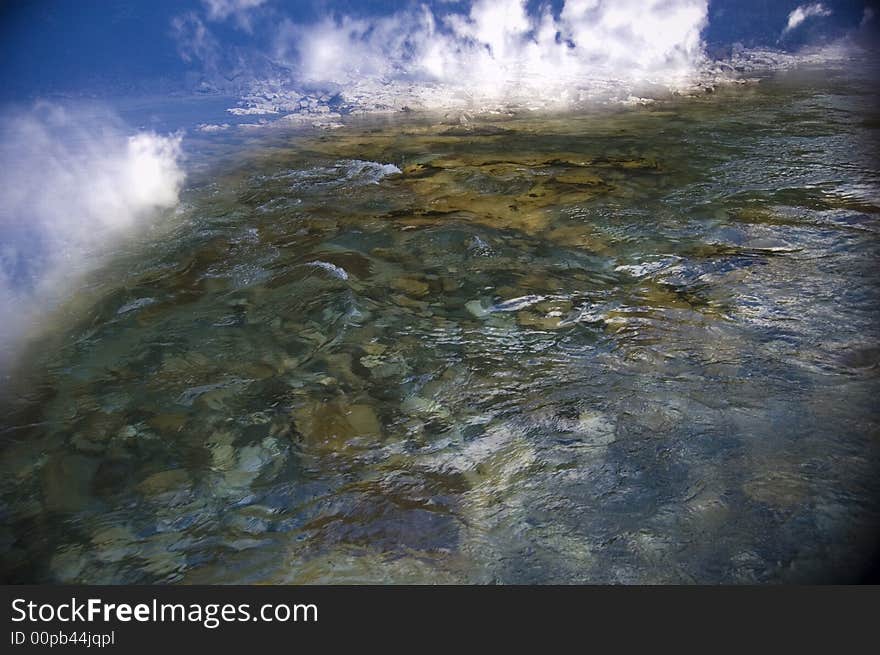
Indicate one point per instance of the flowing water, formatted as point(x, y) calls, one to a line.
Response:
point(626, 345)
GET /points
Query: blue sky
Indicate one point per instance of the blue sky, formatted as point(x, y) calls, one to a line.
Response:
point(132, 47)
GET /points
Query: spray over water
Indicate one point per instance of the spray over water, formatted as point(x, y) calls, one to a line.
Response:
point(74, 186)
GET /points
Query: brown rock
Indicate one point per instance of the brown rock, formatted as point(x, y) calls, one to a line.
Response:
point(167, 422)
point(67, 482)
point(332, 425)
point(164, 481)
point(411, 286)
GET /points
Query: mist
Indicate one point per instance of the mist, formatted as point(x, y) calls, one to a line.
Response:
point(75, 183)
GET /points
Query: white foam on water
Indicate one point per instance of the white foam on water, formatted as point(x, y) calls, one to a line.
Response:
point(333, 269)
point(516, 304)
point(343, 172)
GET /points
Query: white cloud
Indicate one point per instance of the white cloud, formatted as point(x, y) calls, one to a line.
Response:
point(212, 127)
point(802, 13)
point(73, 184)
point(499, 50)
point(223, 9)
point(239, 10)
point(194, 41)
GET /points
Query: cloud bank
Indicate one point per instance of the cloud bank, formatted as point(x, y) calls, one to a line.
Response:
point(496, 51)
point(480, 55)
point(499, 46)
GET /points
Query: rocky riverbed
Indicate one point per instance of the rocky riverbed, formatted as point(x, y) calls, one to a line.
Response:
point(634, 345)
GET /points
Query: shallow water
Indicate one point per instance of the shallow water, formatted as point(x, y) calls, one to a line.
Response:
point(630, 346)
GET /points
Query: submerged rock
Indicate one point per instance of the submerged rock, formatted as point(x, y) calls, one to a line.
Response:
point(114, 543)
point(163, 556)
point(259, 460)
point(382, 367)
point(334, 425)
point(222, 452)
point(411, 286)
point(424, 407)
point(168, 422)
point(68, 563)
point(598, 429)
point(530, 319)
point(777, 488)
point(67, 481)
point(477, 308)
point(94, 434)
point(164, 482)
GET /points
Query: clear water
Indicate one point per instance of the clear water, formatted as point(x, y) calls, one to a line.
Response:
point(628, 346)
